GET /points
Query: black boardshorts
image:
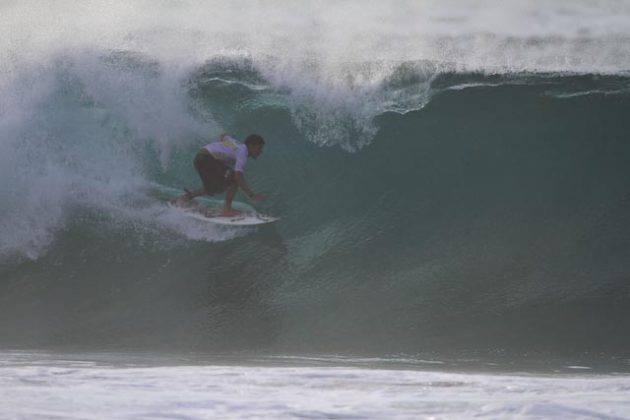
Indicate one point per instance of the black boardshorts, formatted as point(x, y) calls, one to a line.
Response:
point(215, 175)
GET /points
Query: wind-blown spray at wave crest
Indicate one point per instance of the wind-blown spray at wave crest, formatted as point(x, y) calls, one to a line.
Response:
point(76, 133)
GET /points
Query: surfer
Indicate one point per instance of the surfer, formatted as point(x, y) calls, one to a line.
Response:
point(221, 165)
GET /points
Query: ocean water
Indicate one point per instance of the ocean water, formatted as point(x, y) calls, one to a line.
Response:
point(79, 386)
point(451, 178)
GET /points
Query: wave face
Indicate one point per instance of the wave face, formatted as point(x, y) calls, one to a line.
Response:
point(450, 177)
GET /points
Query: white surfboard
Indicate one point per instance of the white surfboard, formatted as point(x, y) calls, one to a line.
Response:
point(212, 214)
point(209, 210)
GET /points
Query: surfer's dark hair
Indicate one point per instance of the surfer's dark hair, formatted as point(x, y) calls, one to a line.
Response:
point(255, 139)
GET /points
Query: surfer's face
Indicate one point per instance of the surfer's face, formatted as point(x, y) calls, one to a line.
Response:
point(255, 150)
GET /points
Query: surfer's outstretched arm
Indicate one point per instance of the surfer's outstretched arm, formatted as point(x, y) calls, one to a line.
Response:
point(242, 184)
point(231, 192)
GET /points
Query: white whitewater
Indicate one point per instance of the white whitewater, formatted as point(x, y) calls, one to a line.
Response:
point(45, 386)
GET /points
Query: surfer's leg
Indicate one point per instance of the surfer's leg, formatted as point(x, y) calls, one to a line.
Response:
point(205, 165)
point(189, 195)
point(229, 196)
point(196, 193)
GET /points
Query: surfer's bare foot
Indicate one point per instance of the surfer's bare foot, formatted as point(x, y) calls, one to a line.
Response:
point(230, 212)
point(187, 195)
point(184, 198)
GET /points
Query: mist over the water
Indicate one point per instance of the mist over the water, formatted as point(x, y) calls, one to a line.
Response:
point(450, 175)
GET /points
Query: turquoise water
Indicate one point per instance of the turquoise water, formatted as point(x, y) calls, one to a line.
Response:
point(456, 188)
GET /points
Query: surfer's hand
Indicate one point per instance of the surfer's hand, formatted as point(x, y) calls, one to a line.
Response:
point(258, 197)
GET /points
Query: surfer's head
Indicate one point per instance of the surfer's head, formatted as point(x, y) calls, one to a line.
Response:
point(254, 143)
